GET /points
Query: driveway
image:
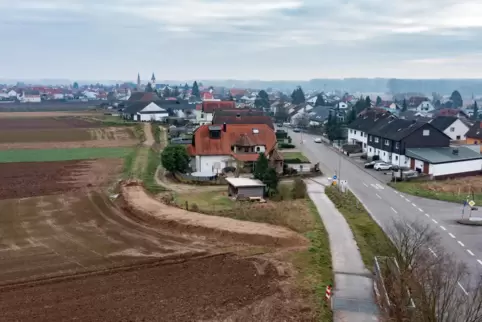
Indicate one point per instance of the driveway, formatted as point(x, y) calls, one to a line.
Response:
point(386, 204)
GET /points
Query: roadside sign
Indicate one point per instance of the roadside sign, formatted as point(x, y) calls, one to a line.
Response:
point(335, 177)
point(471, 203)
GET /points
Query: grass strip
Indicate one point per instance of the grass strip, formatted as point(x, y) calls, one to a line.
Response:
point(153, 161)
point(370, 238)
point(46, 155)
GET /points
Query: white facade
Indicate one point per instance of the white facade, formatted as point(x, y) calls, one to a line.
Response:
point(425, 107)
point(355, 136)
point(457, 130)
point(455, 167)
point(31, 99)
point(12, 93)
point(213, 163)
point(342, 105)
point(203, 118)
point(151, 112)
point(400, 160)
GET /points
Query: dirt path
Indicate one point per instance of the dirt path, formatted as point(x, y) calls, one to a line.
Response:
point(148, 133)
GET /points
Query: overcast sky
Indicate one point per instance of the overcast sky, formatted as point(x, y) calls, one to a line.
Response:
point(240, 39)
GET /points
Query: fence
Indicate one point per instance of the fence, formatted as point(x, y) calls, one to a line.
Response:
point(187, 178)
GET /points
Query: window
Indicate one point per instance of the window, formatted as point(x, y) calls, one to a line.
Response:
point(383, 153)
point(396, 158)
point(426, 132)
point(258, 149)
point(371, 138)
point(370, 149)
point(387, 142)
point(202, 115)
point(376, 139)
point(397, 145)
point(364, 145)
point(354, 131)
point(351, 131)
point(366, 135)
point(452, 129)
point(458, 137)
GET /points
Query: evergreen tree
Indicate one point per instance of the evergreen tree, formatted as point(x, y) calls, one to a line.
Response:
point(166, 92)
point(261, 167)
point(298, 96)
point(476, 112)
point(359, 106)
point(271, 180)
point(262, 101)
point(456, 99)
point(351, 116)
point(404, 105)
point(175, 92)
point(195, 90)
point(320, 101)
point(379, 101)
point(186, 87)
point(230, 98)
point(368, 102)
point(76, 85)
point(149, 88)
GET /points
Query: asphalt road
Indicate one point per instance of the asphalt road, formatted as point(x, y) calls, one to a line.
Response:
point(387, 204)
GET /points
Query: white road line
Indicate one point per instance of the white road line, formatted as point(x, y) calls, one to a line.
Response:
point(419, 209)
point(470, 252)
point(463, 289)
point(407, 200)
point(414, 205)
point(460, 243)
point(378, 196)
point(394, 210)
point(365, 184)
point(395, 191)
point(427, 215)
point(435, 221)
point(430, 249)
point(451, 235)
point(480, 262)
point(443, 228)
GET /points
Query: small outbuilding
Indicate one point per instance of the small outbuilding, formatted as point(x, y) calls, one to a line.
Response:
point(245, 188)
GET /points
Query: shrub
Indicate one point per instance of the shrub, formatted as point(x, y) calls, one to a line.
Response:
point(229, 169)
point(299, 189)
point(289, 139)
point(286, 146)
point(295, 161)
point(194, 207)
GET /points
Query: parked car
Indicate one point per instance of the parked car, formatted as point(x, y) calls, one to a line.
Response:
point(318, 140)
point(382, 166)
point(370, 164)
point(279, 125)
point(297, 130)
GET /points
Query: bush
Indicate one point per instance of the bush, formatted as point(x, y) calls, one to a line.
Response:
point(194, 207)
point(299, 189)
point(375, 158)
point(229, 169)
point(289, 171)
point(289, 139)
point(286, 146)
point(295, 161)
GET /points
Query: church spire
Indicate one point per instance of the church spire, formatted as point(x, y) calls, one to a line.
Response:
point(153, 78)
point(138, 80)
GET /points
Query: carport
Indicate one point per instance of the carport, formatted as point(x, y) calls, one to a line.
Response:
point(245, 188)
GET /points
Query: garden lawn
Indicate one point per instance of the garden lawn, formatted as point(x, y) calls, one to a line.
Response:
point(8, 156)
point(295, 155)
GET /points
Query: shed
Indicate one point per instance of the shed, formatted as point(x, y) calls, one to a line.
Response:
point(245, 188)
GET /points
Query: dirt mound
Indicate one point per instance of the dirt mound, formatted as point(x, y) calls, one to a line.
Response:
point(139, 203)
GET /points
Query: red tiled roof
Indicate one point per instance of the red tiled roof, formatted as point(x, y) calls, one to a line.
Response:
point(207, 96)
point(204, 145)
point(210, 107)
point(243, 119)
point(237, 91)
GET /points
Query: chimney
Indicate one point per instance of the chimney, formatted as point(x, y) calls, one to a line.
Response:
point(455, 151)
point(224, 127)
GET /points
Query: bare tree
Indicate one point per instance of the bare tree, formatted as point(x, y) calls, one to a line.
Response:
point(430, 277)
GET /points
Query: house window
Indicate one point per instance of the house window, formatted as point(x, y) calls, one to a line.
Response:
point(397, 145)
point(371, 138)
point(354, 132)
point(458, 137)
point(426, 132)
point(396, 158)
point(376, 139)
point(364, 145)
point(452, 129)
point(387, 142)
point(370, 149)
point(202, 115)
point(258, 149)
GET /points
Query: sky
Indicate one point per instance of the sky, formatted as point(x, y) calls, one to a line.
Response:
point(240, 39)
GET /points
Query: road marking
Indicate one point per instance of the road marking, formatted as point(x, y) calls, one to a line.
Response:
point(380, 186)
point(443, 228)
point(463, 289)
point(395, 191)
point(365, 184)
point(407, 200)
point(427, 215)
point(414, 205)
point(394, 210)
point(480, 262)
point(419, 209)
point(378, 196)
point(470, 252)
point(451, 235)
point(460, 243)
point(435, 221)
point(430, 249)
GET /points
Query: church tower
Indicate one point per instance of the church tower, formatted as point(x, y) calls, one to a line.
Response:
point(153, 81)
point(138, 82)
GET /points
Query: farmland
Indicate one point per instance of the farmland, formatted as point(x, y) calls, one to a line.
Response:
point(44, 155)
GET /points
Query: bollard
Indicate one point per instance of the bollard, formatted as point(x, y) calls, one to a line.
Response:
point(328, 292)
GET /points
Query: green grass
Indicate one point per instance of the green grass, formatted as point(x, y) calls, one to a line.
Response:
point(294, 155)
point(207, 202)
point(156, 132)
point(129, 160)
point(8, 156)
point(370, 238)
point(153, 161)
point(315, 266)
point(416, 188)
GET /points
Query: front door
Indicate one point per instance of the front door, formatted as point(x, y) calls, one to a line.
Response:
point(425, 167)
point(412, 164)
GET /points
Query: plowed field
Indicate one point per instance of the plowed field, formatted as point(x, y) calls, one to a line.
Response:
point(33, 123)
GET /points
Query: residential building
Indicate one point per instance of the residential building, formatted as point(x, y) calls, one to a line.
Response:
point(390, 140)
point(424, 106)
point(242, 116)
point(452, 126)
point(30, 96)
point(204, 112)
point(145, 112)
point(415, 101)
point(445, 162)
point(215, 147)
point(474, 135)
point(358, 129)
point(143, 97)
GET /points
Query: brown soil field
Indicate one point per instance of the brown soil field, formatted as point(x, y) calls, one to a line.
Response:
point(47, 114)
point(109, 134)
point(34, 123)
point(29, 179)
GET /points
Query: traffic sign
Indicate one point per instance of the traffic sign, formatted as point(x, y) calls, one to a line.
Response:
point(335, 177)
point(471, 203)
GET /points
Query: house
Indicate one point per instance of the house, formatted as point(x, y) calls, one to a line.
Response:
point(204, 112)
point(424, 106)
point(390, 140)
point(451, 112)
point(319, 115)
point(358, 129)
point(245, 188)
point(414, 115)
point(452, 126)
point(30, 96)
point(474, 135)
point(215, 147)
point(443, 162)
point(145, 112)
point(143, 97)
point(415, 101)
point(242, 116)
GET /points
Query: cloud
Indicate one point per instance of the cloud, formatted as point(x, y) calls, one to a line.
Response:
point(285, 39)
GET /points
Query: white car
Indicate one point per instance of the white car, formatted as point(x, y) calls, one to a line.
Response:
point(382, 166)
point(317, 140)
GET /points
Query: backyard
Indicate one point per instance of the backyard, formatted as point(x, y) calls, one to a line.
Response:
point(295, 156)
